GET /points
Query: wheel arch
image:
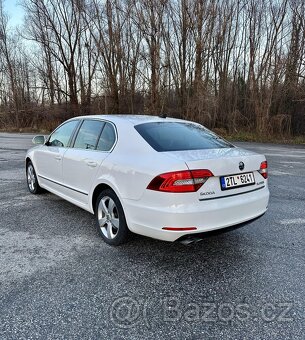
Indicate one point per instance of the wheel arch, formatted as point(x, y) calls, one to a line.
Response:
point(27, 160)
point(98, 189)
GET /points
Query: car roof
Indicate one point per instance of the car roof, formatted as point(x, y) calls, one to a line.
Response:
point(132, 119)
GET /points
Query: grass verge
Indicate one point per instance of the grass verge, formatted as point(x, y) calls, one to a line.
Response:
point(243, 136)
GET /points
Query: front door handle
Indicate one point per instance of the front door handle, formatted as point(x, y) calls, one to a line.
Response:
point(58, 158)
point(92, 164)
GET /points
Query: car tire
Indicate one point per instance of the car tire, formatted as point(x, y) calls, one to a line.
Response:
point(32, 180)
point(110, 218)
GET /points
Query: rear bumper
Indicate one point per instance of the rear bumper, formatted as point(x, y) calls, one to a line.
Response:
point(149, 219)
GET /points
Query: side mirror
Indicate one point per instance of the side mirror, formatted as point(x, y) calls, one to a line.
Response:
point(38, 140)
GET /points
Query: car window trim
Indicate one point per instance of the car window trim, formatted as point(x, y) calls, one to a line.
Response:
point(115, 138)
point(99, 136)
point(115, 133)
point(77, 132)
point(103, 121)
point(72, 134)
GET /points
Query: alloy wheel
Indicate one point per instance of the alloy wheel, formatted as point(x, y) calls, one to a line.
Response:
point(31, 177)
point(108, 217)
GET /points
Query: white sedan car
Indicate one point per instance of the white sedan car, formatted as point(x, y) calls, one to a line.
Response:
point(159, 177)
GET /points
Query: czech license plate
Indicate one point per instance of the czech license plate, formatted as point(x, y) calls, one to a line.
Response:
point(235, 181)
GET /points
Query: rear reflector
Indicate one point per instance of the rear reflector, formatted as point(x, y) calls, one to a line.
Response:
point(264, 169)
point(179, 229)
point(180, 181)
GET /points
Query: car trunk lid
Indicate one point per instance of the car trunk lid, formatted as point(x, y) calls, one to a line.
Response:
point(223, 162)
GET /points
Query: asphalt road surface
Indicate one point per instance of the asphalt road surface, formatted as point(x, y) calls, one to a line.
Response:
point(58, 280)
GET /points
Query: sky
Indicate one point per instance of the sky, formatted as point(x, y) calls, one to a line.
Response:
point(14, 10)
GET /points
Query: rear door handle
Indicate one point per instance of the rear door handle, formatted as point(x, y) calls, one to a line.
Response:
point(58, 158)
point(91, 164)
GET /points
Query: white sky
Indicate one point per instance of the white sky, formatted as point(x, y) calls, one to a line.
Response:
point(14, 10)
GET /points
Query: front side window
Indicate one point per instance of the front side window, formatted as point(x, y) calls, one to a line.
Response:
point(88, 134)
point(107, 138)
point(176, 136)
point(61, 136)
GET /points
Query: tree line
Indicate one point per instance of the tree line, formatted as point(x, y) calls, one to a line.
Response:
point(231, 64)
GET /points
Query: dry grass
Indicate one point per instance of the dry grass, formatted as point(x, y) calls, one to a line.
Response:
point(244, 136)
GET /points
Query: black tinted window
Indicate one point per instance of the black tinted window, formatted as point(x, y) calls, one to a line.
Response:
point(62, 135)
point(88, 134)
point(107, 138)
point(176, 136)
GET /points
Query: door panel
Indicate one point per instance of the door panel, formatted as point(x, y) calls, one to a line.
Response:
point(49, 157)
point(48, 163)
point(79, 170)
point(81, 162)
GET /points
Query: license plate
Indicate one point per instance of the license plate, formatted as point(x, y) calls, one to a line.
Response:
point(235, 181)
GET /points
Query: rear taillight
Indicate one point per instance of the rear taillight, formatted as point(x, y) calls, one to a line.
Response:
point(180, 181)
point(263, 170)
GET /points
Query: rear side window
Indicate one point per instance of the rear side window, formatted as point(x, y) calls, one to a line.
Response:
point(107, 138)
point(176, 136)
point(88, 134)
point(61, 136)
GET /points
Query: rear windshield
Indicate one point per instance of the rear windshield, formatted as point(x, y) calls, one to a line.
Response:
point(176, 136)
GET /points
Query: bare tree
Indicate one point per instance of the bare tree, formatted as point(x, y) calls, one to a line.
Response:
point(232, 64)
